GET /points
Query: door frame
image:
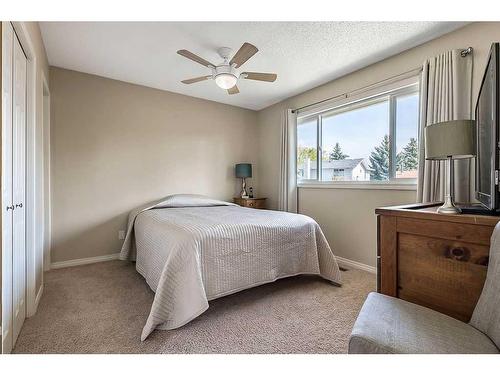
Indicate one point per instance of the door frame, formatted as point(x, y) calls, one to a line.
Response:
point(7, 261)
point(46, 186)
point(31, 189)
point(32, 296)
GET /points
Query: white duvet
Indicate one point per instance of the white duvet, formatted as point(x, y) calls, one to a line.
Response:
point(192, 249)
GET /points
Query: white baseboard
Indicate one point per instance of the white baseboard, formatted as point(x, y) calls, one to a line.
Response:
point(347, 263)
point(82, 261)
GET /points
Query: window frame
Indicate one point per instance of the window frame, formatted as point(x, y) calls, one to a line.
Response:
point(383, 96)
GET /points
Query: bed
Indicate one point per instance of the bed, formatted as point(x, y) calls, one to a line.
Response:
point(192, 249)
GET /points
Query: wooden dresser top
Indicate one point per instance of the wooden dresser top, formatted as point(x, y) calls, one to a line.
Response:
point(428, 211)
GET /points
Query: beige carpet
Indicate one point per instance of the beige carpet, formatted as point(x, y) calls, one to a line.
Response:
point(101, 308)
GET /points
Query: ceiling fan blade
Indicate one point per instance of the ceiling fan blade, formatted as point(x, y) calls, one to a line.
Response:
point(246, 51)
point(196, 58)
point(233, 90)
point(194, 80)
point(268, 77)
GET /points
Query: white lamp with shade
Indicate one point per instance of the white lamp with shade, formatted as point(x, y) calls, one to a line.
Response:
point(450, 140)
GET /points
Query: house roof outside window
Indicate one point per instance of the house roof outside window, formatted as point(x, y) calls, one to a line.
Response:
point(343, 164)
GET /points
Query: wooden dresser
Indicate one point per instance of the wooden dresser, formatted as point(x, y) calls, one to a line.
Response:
point(251, 202)
point(434, 260)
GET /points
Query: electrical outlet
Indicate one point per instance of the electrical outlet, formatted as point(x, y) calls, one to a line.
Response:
point(121, 234)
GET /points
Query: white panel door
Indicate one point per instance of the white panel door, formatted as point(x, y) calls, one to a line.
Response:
point(19, 189)
point(7, 208)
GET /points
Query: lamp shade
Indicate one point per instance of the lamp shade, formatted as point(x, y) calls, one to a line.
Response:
point(455, 139)
point(243, 170)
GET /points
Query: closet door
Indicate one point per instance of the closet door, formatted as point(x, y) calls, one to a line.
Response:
point(7, 208)
point(18, 189)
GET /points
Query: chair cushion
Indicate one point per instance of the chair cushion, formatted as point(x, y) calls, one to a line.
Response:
point(486, 316)
point(390, 325)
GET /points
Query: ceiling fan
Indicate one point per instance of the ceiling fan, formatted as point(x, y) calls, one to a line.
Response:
point(225, 74)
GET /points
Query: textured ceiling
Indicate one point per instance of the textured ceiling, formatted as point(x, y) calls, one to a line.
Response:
point(303, 54)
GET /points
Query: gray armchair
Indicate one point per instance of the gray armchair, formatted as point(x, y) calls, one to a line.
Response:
point(390, 325)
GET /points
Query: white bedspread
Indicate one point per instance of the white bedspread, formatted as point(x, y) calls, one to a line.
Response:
point(192, 249)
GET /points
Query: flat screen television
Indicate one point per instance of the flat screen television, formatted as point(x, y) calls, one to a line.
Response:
point(487, 137)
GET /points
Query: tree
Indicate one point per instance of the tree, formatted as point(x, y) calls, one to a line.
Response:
point(379, 160)
point(306, 153)
point(407, 159)
point(337, 153)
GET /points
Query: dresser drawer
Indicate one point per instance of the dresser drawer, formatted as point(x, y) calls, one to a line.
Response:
point(256, 203)
point(251, 202)
point(442, 274)
point(479, 234)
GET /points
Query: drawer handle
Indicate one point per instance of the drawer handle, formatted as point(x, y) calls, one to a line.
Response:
point(458, 253)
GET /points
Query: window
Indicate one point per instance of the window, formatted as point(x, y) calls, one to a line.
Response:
point(370, 140)
point(307, 149)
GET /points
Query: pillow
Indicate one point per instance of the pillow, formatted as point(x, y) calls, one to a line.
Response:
point(190, 200)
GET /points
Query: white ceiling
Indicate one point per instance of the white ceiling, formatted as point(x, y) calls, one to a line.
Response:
point(303, 54)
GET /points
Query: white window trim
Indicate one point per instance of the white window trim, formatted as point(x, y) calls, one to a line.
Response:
point(410, 184)
point(406, 86)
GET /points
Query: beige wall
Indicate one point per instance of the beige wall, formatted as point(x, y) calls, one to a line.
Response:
point(340, 226)
point(115, 146)
point(347, 217)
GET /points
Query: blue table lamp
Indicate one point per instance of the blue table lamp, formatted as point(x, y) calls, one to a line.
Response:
point(243, 171)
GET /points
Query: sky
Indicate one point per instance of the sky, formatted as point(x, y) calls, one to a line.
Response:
point(360, 130)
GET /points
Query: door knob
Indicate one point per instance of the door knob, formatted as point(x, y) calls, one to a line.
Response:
point(20, 205)
point(10, 208)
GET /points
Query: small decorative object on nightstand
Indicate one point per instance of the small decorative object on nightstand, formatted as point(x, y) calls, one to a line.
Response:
point(243, 171)
point(251, 202)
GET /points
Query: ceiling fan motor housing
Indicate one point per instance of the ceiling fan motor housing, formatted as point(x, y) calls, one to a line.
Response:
point(224, 52)
point(223, 69)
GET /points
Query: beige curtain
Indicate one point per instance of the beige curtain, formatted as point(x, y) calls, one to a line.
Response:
point(445, 94)
point(287, 196)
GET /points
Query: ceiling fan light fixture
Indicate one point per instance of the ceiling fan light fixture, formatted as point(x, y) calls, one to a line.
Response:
point(226, 80)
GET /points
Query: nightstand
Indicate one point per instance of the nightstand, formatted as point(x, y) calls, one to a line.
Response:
point(251, 202)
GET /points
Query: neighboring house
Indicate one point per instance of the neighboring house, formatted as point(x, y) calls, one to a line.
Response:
point(407, 174)
point(336, 170)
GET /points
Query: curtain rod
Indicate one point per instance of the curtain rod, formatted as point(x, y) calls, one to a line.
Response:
point(360, 90)
point(409, 73)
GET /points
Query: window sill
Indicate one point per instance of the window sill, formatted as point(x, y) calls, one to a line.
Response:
point(359, 185)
